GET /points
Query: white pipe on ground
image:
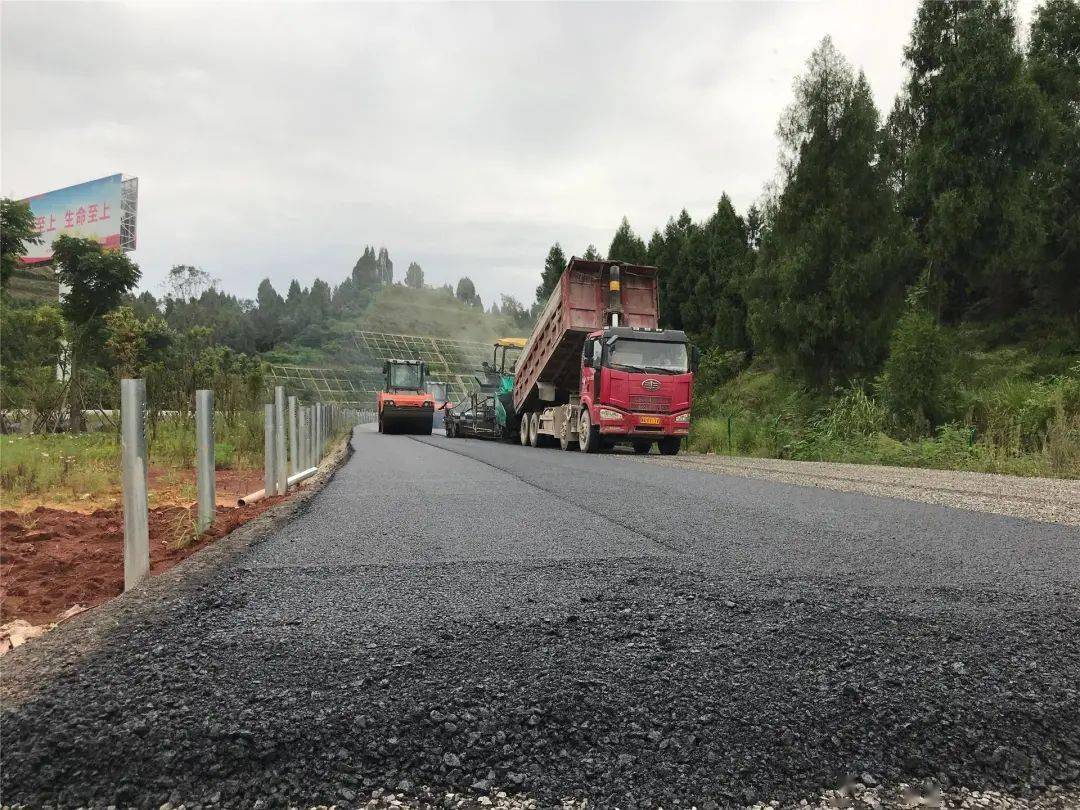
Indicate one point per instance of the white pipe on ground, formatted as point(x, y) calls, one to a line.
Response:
point(258, 495)
point(300, 476)
point(254, 497)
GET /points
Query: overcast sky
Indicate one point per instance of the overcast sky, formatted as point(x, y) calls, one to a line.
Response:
point(278, 140)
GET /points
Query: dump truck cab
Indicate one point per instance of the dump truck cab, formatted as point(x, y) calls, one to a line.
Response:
point(404, 404)
point(636, 386)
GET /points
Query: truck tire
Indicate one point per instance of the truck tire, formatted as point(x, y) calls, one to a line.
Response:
point(534, 430)
point(670, 446)
point(642, 448)
point(523, 430)
point(588, 436)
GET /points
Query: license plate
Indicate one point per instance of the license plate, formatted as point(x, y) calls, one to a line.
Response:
point(648, 420)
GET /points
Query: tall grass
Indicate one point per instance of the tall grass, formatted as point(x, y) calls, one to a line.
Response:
point(1008, 424)
point(69, 465)
point(73, 465)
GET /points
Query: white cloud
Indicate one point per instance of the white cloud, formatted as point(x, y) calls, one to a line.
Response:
point(278, 139)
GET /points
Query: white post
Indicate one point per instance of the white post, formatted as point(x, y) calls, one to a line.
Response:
point(293, 443)
point(281, 465)
point(318, 433)
point(204, 453)
point(301, 438)
point(134, 472)
point(269, 473)
point(311, 461)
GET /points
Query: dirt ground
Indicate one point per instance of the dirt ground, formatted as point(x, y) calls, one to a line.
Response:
point(53, 559)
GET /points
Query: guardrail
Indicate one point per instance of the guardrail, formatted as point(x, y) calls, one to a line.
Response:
point(295, 438)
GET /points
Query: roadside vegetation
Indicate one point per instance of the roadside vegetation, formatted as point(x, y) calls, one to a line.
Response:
point(72, 467)
point(907, 291)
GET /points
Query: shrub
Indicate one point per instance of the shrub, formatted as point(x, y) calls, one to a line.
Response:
point(917, 383)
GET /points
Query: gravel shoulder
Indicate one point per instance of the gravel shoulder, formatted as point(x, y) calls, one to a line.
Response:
point(1052, 500)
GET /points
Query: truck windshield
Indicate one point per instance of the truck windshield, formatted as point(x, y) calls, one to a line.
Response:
point(649, 356)
point(403, 376)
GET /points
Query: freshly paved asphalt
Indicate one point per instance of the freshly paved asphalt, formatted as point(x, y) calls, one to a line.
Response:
point(455, 615)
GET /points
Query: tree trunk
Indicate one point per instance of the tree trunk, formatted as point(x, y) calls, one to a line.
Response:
point(75, 415)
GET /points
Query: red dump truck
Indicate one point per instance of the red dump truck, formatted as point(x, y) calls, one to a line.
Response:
point(598, 371)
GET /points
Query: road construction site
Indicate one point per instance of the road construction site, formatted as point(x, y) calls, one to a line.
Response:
point(449, 620)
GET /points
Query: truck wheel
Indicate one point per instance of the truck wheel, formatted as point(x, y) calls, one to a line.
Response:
point(534, 430)
point(670, 446)
point(380, 423)
point(523, 430)
point(642, 448)
point(588, 436)
point(511, 436)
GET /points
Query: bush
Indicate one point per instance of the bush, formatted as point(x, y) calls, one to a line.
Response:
point(917, 383)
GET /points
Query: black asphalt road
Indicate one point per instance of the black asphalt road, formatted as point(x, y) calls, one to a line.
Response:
point(454, 615)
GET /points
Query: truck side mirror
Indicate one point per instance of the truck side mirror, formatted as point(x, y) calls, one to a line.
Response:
point(586, 355)
point(695, 358)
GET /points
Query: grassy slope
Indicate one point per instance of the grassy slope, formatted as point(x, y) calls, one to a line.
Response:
point(1018, 412)
point(398, 310)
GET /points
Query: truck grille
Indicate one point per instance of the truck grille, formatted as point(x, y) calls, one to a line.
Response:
point(648, 404)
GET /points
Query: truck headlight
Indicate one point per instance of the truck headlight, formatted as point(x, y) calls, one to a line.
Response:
point(389, 402)
point(683, 419)
point(428, 405)
point(607, 413)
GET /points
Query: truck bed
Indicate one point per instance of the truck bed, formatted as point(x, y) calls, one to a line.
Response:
point(578, 305)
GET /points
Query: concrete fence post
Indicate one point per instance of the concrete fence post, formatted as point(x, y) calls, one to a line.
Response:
point(294, 445)
point(281, 464)
point(204, 457)
point(301, 437)
point(311, 436)
point(269, 453)
point(134, 476)
point(318, 433)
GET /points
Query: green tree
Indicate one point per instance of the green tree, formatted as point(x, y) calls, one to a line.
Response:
point(592, 254)
point(133, 342)
point(917, 381)
point(385, 268)
point(29, 354)
point(365, 272)
point(17, 232)
point(320, 298)
point(97, 281)
point(294, 299)
point(187, 281)
point(730, 260)
point(675, 281)
point(466, 290)
point(554, 265)
point(414, 276)
point(627, 246)
point(267, 298)
point(1054, 64)
point(513, 309)
point(835, 258)
point(979, 132)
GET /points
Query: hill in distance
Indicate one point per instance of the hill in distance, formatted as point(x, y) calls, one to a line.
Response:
point(401, 310)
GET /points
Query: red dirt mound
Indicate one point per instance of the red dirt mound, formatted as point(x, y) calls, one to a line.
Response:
point(52, 559)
